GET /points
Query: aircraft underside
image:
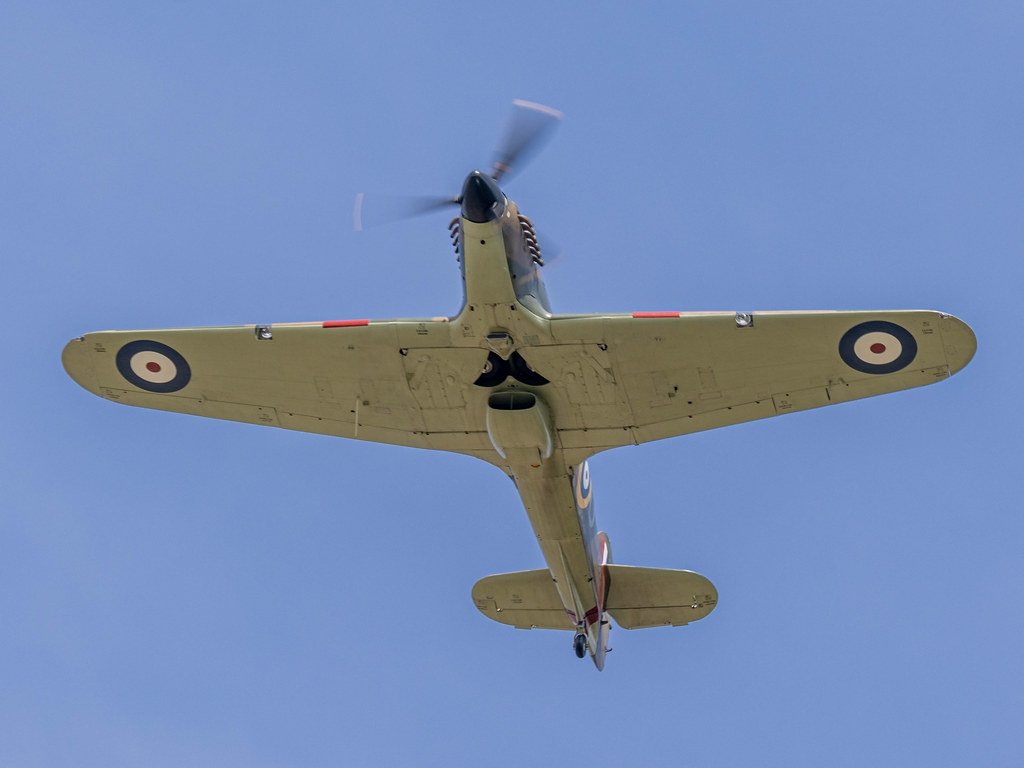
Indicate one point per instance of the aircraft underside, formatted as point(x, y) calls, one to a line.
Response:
point(533, 393)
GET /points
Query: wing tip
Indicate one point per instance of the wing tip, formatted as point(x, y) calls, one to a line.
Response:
point(959, 340)
point(77, 364)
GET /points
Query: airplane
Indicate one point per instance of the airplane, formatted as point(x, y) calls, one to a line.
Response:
point(532, 392)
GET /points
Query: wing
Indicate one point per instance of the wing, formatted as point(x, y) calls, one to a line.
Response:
point(633, 378)
point(615, 380)
point(396, 381)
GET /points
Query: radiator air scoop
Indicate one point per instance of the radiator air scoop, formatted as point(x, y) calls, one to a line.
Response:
point(519, 426)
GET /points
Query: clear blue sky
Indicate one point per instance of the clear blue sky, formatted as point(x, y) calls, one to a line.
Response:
point(176, 591)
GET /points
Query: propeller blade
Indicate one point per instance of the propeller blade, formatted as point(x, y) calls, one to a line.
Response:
point(526, 133)
point(387, 209)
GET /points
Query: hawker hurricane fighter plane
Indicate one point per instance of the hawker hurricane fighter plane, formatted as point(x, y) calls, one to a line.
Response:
point(532, 392)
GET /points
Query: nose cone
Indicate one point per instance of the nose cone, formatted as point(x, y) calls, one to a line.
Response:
point(482, 199)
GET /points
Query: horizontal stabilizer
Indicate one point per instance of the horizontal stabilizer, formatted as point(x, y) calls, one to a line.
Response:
point(655, 597)
point(524, 599)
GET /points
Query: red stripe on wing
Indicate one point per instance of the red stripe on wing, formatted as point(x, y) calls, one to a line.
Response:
point(344, 323)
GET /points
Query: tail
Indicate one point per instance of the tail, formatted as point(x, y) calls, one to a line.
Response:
point(657, 597)
point(635, 597)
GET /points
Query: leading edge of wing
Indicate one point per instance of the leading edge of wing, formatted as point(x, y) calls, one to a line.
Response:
point(78, 364)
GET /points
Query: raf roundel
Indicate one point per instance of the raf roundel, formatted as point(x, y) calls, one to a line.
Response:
point(582, 493)
point(582, 486)
point(878, 346)
point(153, 366)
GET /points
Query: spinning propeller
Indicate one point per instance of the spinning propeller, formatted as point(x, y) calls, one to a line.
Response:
point(526, 132)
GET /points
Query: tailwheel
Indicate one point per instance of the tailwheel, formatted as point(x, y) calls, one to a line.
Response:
point(579, 644)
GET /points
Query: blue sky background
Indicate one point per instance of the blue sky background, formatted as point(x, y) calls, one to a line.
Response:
point(176, 591)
